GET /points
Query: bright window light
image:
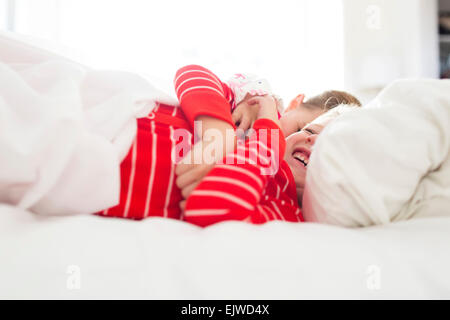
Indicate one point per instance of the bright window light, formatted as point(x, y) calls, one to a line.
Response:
point(296, 45)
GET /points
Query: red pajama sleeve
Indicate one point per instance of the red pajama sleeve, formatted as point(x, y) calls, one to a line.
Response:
point(236, 189)
point(201, 92)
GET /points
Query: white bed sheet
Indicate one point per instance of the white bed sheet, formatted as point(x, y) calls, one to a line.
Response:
point(168, 259)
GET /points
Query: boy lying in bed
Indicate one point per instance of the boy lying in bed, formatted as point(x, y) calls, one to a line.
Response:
point(148, 185)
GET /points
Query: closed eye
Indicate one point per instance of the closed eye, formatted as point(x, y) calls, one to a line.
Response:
point(309, 131)
point(301, 125)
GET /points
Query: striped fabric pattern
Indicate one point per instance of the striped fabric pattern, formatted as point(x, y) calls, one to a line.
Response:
point(235, 189)
point(201, 92)
point(147, 173)
point(238, 190)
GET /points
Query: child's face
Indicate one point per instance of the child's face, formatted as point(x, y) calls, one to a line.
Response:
point(298, 151)
point(297, 117)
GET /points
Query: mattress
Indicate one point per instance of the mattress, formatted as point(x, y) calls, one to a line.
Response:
point(91, 257)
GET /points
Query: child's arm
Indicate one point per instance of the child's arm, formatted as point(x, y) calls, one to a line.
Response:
point(235, 189)
point(190, 172)
point(202, 93)
point(207, 101)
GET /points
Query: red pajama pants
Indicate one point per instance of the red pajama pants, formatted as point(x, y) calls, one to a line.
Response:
point(148, 173)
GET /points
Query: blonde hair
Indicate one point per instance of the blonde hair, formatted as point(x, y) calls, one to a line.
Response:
point(334, 113)
point(331, 99)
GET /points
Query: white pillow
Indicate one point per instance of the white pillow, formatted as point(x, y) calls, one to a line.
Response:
point(386, 162)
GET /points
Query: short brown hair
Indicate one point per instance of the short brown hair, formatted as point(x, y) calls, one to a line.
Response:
point(330, 99)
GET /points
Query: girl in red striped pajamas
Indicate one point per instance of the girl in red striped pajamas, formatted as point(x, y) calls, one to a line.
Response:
point(148, 173)
point(231, 190)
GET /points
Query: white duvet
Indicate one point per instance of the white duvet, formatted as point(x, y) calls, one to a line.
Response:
point(64, 129)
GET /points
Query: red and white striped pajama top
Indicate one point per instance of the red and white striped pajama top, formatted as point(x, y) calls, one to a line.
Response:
point(148, 174)
point(241, 187)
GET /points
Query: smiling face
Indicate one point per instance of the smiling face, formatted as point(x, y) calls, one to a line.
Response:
point(321, 110)
point(298, 151)
point(299, 145)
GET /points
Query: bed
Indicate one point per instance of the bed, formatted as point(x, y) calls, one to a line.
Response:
point(89, 257)
point(49, 252)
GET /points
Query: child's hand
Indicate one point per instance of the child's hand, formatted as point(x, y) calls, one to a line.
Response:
point(201, 158)
point(245, 115)
point(267, 107)
point(189, 176)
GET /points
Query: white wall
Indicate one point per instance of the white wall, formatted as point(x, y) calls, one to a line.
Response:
point(324, 46)
point(385, 40)
point(287, 41)
point(37, 18)
point(6, 9)
point(301, 46)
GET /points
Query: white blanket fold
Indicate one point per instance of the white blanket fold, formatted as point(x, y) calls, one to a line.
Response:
point(64, 129)
point(387, 162)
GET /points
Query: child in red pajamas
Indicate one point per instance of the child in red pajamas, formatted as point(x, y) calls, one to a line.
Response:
point(253, 183)
point(148, 173)
point(241, 188)
point(148, 176)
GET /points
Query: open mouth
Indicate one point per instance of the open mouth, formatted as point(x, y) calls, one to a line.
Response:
point(302, 155)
